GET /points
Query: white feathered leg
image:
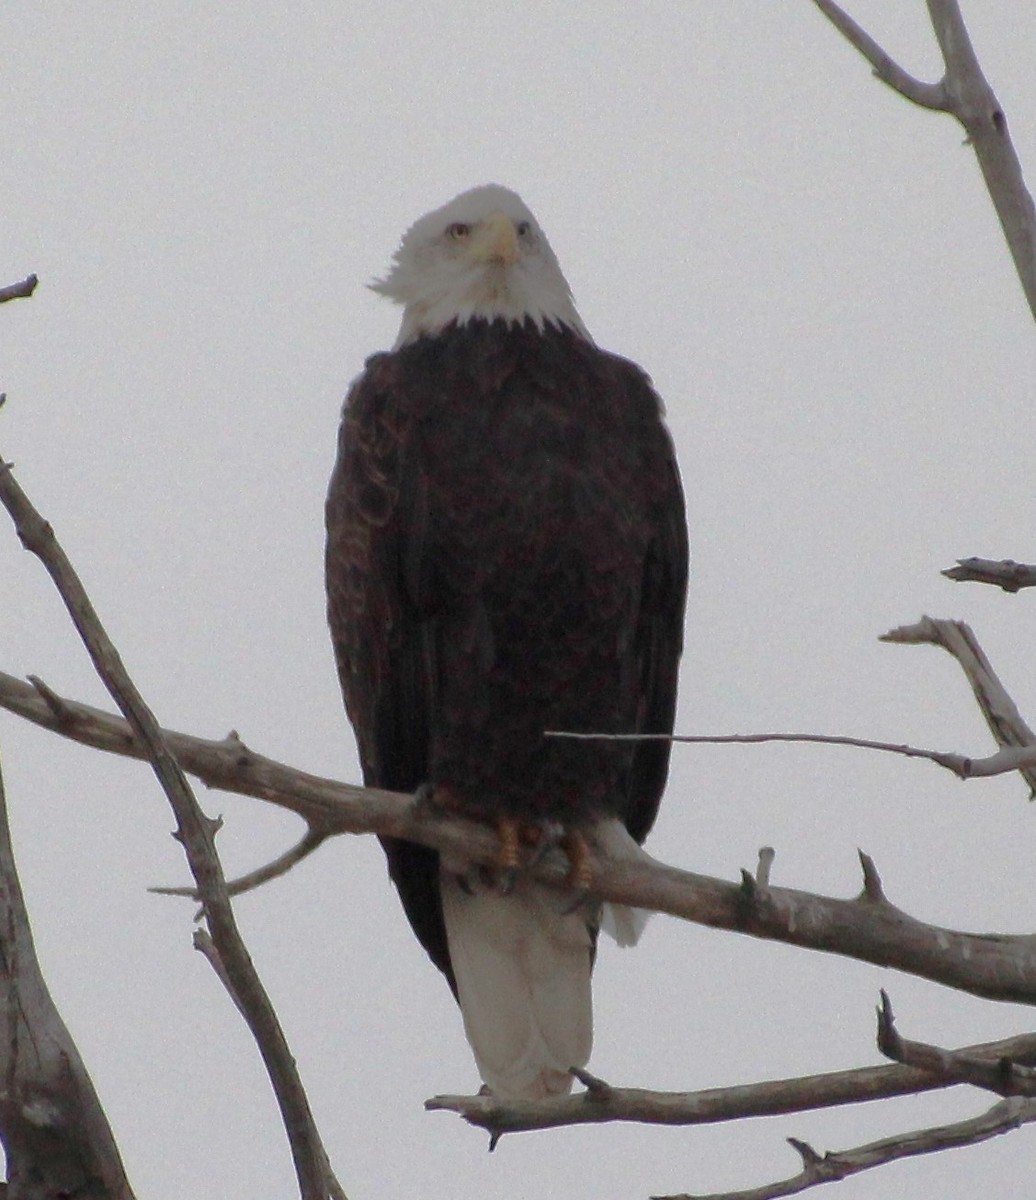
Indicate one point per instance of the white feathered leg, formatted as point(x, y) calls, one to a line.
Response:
point(522, 966)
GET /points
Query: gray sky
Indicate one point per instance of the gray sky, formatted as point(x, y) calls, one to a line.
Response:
point(813, 274)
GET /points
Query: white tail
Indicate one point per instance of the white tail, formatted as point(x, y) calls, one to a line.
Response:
point(522, 965)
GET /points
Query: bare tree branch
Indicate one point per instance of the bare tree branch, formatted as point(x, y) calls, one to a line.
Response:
point(1002, 716)
point(959, 764)
point(311, 840)
point(56, 1138)
point(713, 1105)
point(867, 928)
point(1006, 574)
point(974, 104)
point(964, 92)
point(21, 290)
point(1001, 1074)
point(927, 95)
point(828, 1168)
point(1010, 758)
point(196, 832)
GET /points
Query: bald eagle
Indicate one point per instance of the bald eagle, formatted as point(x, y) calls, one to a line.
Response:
point(506, 555)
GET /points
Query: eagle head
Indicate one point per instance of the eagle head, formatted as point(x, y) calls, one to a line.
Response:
point(482, 256)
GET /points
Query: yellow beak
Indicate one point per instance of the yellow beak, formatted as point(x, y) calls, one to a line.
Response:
point(495, 241)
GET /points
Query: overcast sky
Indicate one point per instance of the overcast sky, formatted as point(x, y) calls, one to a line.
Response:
point(811, 271)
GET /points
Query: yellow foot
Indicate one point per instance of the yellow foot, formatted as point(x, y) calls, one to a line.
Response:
point(509, 851)
point(576, 847)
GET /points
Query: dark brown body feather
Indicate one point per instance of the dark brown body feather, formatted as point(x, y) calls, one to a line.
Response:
point(506, 554)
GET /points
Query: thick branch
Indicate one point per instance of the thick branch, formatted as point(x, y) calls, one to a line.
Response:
point(196, 833)
point(973, 103)
point(56, 1138)
point(866, 928)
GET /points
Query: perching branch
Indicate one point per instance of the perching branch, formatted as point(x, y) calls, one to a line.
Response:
point(867, 928)
point(964, 92)
point(713, 1105)
point(1006, 574)
point(196, 833)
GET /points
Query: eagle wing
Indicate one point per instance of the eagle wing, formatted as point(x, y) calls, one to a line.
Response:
point(659, 637)
point(382, 642)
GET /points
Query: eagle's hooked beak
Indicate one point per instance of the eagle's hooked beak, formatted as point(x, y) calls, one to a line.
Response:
point(495, 241)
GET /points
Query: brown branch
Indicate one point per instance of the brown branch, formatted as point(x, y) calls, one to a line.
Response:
point(605, 1102)
point(828, 1168)
point(196, 833)
point(1003, 573)
point(19, 291)
point(873, 930)
point(52, 1125)
point(1001, 714)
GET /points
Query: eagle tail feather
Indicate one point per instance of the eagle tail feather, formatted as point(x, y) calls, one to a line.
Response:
point(522, 965)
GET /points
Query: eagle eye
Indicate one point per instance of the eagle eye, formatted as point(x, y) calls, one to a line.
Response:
point(457, 231)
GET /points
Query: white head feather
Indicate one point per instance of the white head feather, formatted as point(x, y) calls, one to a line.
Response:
point(482, 255)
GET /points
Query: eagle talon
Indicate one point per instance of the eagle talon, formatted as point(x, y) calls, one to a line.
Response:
point(580, 872)
point(508, 854)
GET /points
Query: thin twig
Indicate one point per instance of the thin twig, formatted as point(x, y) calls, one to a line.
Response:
point(311, 840)
point(1021, 758)
point(959, 764)
point(195, 832)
